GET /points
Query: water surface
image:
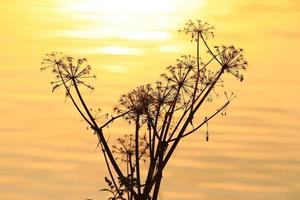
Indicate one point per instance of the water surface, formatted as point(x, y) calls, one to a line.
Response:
point(46, 151)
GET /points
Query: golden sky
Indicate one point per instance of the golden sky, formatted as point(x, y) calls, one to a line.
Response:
point(45, 151)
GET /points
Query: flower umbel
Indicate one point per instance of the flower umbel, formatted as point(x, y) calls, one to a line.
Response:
point(182, 78)
point(163, 96)
point(232, 60)
point(198, 28)
point(68, 70)
point(138, 102)
point(125, 149)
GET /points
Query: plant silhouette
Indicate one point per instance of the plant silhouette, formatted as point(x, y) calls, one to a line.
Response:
point(161, 114)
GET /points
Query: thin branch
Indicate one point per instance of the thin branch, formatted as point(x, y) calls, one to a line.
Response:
point(210, 51)
point(83, 104)
point(205, 121)
point(73, 101)
point(113, 118)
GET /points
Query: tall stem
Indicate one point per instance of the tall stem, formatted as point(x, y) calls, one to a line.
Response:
point(102, 139)
point(159, 172)
point(137, 158)
point(110, 172)
point(156, 188)
point(197, 77)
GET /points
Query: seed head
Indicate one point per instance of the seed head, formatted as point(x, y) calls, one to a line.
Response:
point(232, 60)
point(68, 70)
point(198, 28)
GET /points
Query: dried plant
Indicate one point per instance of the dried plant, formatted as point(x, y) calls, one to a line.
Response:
point(161, 114)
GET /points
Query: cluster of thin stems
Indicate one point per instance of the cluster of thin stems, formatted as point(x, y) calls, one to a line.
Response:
point(161, 114)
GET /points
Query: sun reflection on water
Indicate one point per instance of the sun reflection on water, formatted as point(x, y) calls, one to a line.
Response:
point(131, 19)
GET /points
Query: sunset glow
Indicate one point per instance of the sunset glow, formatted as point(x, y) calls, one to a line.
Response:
point(133, 19)
point(47, 152)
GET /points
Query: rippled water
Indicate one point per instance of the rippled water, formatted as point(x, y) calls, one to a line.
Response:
point(46, 151)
